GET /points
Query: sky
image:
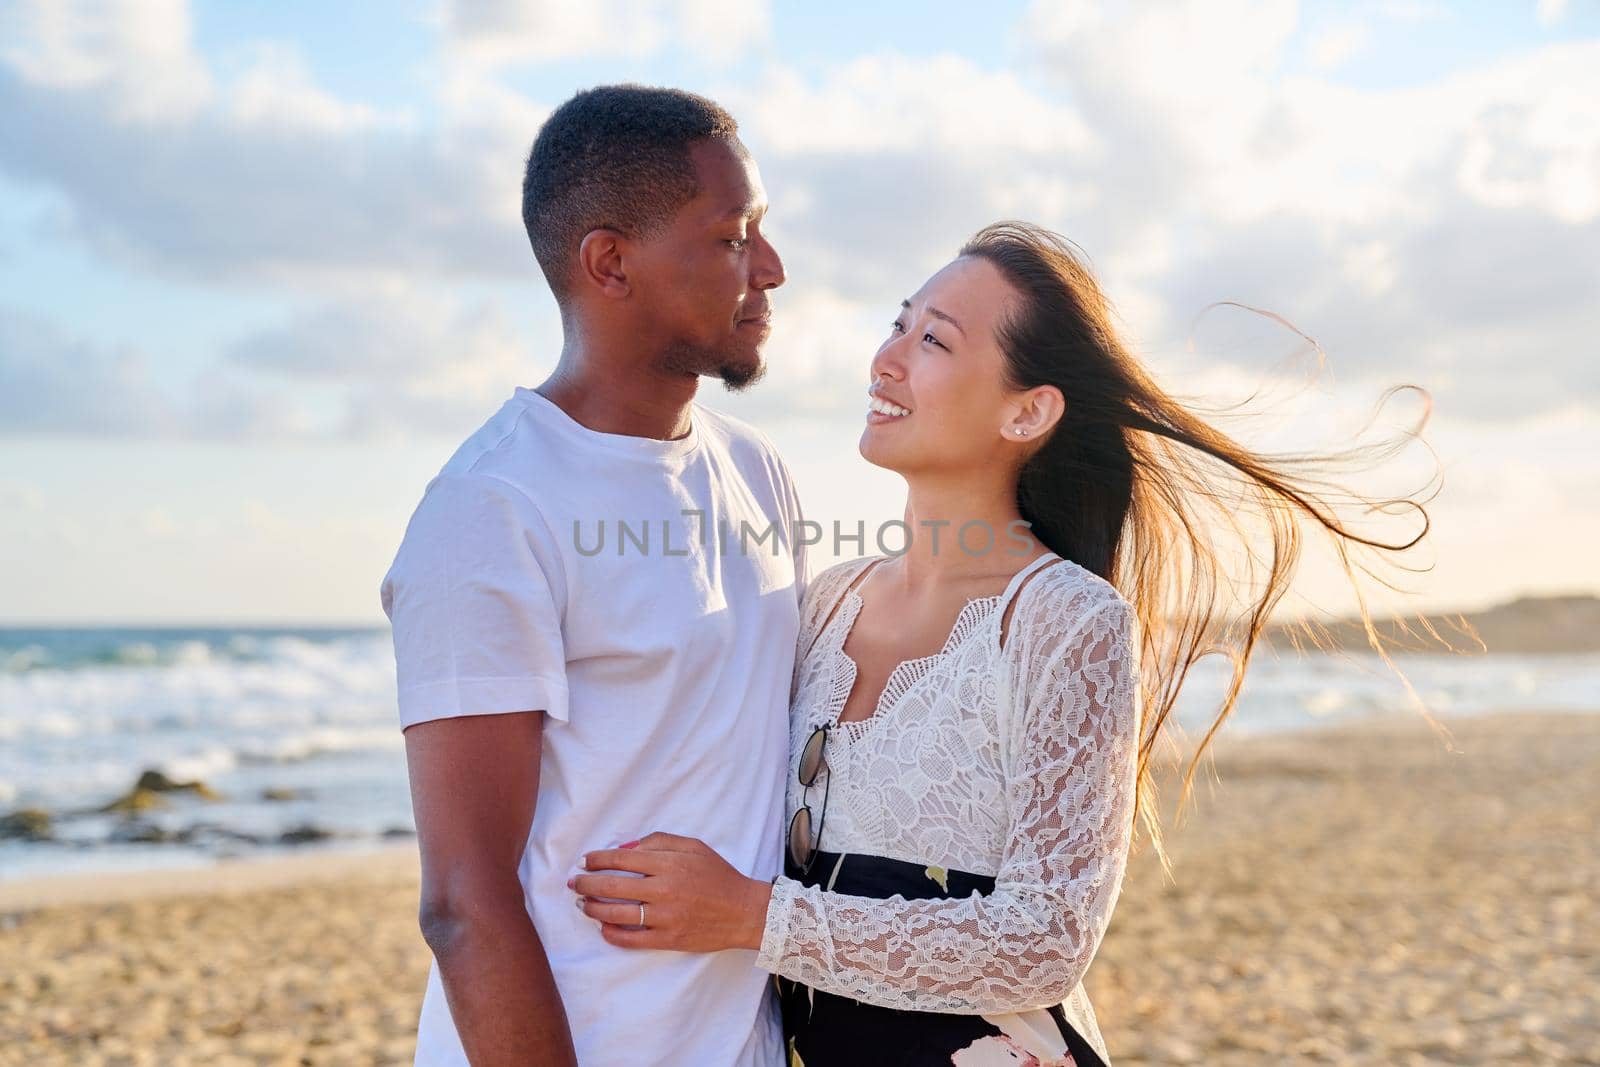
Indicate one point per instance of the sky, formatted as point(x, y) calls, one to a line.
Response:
point(262, 266)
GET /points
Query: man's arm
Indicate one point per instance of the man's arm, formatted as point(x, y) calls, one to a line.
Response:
point(474, 784)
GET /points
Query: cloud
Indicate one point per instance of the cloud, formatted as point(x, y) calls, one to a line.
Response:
point(1443, 232)
point(137, 53)
point(1550, 12)
point(360, 369)
point(50, 383)
point(55, 384)
point(277, 93)
point(1337, 45)
point(1174, 77)
point(267, 179)
point(402, 364)
point(496, 33)
point(916, 154)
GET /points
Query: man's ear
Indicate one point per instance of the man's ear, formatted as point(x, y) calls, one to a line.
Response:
point(601, 264)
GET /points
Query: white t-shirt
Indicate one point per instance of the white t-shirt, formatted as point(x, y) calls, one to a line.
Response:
point(662, 652)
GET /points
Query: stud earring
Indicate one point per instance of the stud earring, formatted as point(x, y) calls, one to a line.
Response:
point(1021, 432)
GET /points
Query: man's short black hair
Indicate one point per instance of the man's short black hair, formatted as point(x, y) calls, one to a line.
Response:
point(615, 156)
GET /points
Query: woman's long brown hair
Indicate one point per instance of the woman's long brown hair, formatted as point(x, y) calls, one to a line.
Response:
point(1134, 486)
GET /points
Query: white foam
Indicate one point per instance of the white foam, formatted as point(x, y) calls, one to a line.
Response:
point(204, 765)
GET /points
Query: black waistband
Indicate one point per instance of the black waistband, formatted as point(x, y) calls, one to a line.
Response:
point(879, 877)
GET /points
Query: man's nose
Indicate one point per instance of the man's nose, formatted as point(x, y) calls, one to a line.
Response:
point(767, 269)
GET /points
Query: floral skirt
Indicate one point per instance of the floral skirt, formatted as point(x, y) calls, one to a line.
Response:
point(824, 1030)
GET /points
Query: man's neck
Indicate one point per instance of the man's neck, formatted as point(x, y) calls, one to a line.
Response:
point(609, 396)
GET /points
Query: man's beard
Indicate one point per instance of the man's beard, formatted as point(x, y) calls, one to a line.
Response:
point(736, 373)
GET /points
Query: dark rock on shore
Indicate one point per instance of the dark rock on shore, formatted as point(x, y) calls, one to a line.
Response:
point(304, 834)
point(135, 801)
point(28, 824)
point(276, 793)
point(156, 782)
point(147, 794)
point(210, 833)
point(138, 832)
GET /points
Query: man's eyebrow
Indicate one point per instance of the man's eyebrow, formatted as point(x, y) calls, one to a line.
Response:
point(936, 313)
point(749, 210)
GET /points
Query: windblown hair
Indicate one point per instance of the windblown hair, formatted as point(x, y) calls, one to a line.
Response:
point(1199, 533)
point(614, 157)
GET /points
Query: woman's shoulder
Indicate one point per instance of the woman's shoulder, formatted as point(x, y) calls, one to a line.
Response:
point(1064, 591)
point(836, 576)
point(828, 585)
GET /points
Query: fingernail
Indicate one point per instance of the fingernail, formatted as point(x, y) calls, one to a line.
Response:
point(579, 903)
point(628, 844)
point(572, 883)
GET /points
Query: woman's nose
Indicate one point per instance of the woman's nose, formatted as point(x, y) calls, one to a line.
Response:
point(888, 362)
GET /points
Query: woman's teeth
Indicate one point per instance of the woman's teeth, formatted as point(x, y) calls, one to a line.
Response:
point(883, 407)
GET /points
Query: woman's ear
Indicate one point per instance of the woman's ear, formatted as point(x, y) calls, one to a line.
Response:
point(1037, 413)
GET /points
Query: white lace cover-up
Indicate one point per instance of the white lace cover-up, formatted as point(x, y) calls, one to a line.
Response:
point(1015, 762)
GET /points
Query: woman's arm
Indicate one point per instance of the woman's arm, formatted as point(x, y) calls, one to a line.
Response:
point(1070, 791)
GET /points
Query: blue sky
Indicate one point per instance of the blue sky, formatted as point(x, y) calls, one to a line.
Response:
point(261, 266)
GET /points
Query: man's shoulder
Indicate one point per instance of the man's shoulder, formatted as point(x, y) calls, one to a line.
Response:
point(489, 473)
point(501, 447)
point(738, 433)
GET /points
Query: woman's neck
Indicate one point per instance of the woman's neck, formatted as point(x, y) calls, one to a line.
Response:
point(957, 531)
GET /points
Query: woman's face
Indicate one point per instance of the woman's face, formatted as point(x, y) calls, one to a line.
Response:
point(942, 362)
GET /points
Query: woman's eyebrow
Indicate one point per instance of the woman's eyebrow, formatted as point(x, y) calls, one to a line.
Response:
point(936, 313)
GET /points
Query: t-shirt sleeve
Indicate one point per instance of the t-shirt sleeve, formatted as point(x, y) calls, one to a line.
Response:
point(475, 597)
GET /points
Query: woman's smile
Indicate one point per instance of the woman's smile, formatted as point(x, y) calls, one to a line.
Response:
point(880, 410)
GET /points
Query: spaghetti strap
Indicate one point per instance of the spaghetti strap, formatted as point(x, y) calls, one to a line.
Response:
point(1014, 589)
point(833, 609)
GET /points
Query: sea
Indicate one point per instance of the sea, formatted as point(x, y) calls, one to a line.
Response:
point(295, 732)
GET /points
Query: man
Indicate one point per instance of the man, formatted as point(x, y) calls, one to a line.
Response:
point(595, 609)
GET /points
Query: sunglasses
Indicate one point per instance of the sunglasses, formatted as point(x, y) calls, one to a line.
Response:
point(802, 843)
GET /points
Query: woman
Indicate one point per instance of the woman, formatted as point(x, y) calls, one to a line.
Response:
point(968, 719)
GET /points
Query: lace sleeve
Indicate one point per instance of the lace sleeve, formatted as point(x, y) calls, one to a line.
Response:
point(1069, 793)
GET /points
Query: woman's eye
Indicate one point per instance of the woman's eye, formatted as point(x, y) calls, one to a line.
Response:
point(899, 327)
point(740, 242)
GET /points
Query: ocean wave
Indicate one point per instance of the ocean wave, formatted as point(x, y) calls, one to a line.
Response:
point(23, 651)
point(325, 741)
point(204, 765)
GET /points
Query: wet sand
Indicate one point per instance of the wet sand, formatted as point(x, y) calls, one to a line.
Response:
point(1353, 896)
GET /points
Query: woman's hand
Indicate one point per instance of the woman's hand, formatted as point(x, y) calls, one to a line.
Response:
point(694, 900)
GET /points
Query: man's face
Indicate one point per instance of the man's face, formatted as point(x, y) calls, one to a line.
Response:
point(703, 281)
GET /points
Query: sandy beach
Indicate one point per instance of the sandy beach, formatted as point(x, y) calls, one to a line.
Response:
point(1357, 895)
